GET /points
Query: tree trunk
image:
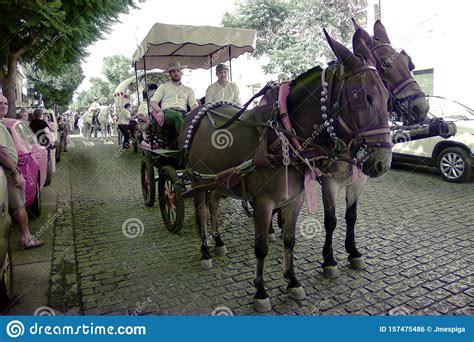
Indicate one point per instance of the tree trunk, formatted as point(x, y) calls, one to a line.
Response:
point(9, 86)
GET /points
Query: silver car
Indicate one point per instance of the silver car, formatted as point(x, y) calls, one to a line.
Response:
point(453, 157)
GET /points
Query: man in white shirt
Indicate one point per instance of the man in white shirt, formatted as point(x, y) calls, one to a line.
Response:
point(15, 181)
point(223, 90)
point(124, 124)
point(175, 98)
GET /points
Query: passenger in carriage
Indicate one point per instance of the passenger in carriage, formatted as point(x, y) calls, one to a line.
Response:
point(175, 98)
point(222, 89)
point(143, 108)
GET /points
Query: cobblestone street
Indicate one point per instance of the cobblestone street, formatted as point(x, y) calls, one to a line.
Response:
point(414, 229)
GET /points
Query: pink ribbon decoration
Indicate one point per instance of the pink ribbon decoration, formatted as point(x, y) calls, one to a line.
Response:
point(356, 174)
point(310, 188)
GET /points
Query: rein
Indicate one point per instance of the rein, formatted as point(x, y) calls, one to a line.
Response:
point(396, 102)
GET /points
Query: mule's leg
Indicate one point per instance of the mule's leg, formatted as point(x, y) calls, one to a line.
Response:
point(329, 190)
point(201, 222)
point(262, 217)
point(214, 198)
point(289, 216)
point(352, 195)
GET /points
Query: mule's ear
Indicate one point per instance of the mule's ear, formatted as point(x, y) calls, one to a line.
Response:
point(360, 48)
point(411, 66)
point(380, 33)
point(344, 55)
point(356, 26)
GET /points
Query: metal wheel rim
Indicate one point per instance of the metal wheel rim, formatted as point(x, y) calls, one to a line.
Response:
point(146, 180)
point(452, 165)
point(170, 198)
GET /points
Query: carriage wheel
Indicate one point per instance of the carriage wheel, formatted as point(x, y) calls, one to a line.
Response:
point(148, 182)
point(170, 197)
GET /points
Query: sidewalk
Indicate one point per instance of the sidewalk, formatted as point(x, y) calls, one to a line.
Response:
point(32, 268)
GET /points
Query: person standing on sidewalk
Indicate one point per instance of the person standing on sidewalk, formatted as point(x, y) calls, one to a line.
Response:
point(15, 181)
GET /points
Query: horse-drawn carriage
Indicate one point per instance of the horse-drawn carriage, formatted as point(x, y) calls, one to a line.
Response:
point(329, 124)
point(198, 47)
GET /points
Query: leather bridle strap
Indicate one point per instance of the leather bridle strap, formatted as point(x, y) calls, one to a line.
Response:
point(357, 71)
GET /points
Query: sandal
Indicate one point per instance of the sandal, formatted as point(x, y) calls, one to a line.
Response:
point(31, 243)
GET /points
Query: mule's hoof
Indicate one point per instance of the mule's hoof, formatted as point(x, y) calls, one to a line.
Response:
point(206, 264)
point(221, 251)
point(272, 237)
point(331, 271)
point(262, 305)
point(357, 263)
point(297, 293)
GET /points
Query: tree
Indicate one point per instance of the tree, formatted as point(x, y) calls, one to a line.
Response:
point(116, 69)
point(56, 89)
point(290, 32)
point(50, 33)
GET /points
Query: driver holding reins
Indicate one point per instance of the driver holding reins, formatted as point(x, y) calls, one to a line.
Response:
point(175, 98)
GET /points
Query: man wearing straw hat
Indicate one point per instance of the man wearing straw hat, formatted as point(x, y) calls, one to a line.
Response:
point(175, 98)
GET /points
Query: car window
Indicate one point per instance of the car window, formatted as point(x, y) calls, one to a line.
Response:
point(449, 110)
point(31, 137)
point(21, 137)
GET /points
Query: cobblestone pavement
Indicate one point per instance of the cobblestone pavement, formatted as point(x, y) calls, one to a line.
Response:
point(113, 256)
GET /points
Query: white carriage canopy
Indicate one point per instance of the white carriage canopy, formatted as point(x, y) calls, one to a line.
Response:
point(194, 46)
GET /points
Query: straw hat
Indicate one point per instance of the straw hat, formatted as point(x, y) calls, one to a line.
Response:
point(175, 66)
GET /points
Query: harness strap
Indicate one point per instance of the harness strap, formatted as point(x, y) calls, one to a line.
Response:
point(283, 92)
point(377, 131)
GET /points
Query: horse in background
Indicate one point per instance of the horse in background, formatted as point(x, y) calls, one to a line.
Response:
point(104, 120)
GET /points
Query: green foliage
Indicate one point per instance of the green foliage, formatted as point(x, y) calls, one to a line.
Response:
point(57, 89)
point(99, 88)
point(51, 33)
point(116, 69)
point(290, 32)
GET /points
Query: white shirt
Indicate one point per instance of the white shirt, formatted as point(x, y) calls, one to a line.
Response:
point(172, 95)
point(94, 106)
point(124, 117)
point(230, 92)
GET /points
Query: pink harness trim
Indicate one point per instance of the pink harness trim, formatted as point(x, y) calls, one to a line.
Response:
point(283, 92)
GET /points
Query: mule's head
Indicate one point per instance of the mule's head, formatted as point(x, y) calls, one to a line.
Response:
point(395, 69)
point(358, 104)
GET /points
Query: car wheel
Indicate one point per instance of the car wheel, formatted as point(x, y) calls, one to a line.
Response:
point(35, 208)
point(6, 283)
point(454, 165)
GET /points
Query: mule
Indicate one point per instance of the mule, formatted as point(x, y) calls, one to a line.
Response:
point(362, 108)
point(406, 100)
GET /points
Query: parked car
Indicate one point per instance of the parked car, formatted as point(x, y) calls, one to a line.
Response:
point(453, 157)
point(32, 161)
point(6, 274)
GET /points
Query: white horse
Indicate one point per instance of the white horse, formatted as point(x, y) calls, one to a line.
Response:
point(104, 119)
point(87, 125)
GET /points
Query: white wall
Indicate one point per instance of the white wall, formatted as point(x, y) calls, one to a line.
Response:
point(439, 35)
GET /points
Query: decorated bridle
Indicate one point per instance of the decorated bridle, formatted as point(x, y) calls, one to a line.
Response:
point(396, 103)
point(355, 99)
